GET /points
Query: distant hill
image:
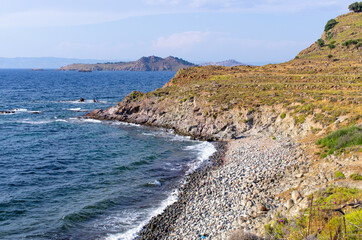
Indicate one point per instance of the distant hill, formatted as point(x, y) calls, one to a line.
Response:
point(226, 63)
point(151, 63)
point(41, 62)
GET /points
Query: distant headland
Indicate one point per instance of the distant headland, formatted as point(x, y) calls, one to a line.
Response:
point(152, 63)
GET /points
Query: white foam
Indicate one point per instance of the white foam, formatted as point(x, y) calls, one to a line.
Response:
point(74, 109)
point(19, 110)
point(82, 120)
point(118, 123)
point(91, 120)
point(155, 182)
point(36, 122)
point(167, 134)
point(204, 151)
point(132, 233)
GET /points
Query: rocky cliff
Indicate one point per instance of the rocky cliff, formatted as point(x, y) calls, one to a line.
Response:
point(151, 63)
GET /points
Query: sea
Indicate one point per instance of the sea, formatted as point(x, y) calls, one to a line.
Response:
point(66, 177)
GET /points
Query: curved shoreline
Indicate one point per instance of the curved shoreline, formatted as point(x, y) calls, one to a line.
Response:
point(160, 226)
point(239, 190)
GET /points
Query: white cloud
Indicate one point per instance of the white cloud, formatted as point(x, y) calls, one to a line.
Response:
point(181, 40)
point(38, 16)
point(46, 18)
point(251, 6)
point(98, 50)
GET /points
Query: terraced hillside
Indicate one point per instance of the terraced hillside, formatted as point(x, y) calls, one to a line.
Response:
point(296, 98)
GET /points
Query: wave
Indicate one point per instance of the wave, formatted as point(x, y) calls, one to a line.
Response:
point(169, 134)
point(73, 109)
point(33, 122)
point(88, 212)
point(36, 122)
point(82, 120)
point(204, 151)
point(18, 110)
point(70, 120)
point(132, 233)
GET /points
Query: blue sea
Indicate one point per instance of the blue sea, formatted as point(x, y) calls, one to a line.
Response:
point(66, 177)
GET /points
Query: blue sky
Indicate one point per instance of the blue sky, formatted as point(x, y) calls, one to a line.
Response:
point(196, 30)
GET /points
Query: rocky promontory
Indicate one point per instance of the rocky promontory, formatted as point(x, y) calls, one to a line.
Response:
point(152, 63)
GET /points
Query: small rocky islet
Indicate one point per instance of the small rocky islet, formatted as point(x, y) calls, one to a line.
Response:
point(265, 122)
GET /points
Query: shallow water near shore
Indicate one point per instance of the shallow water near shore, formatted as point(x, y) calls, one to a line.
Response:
point(65, 177)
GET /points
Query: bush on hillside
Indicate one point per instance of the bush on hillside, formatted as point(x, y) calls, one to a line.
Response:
point(343, 138)
point(355, 7)
point(321, 42)
point(330, 24)
point(352, 41)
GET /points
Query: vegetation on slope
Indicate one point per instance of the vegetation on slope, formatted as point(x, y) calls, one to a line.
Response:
point(312, 86)
point(320, 219)
point(341, 139)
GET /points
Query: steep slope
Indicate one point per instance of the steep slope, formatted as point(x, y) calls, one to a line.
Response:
point(296, 98)
point(151, 63)
point(341, 40)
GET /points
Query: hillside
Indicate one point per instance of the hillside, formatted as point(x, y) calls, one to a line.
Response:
point(311, 105)
point(213, 102)
point(151, 63)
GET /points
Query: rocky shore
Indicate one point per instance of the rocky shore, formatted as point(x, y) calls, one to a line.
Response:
point(238, 190)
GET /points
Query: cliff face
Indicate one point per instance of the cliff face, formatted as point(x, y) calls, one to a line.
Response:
point(151, 63)
point(297, 98)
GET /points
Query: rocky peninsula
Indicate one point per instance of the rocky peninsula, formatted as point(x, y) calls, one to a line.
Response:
point(266, 122)
point(151, 63)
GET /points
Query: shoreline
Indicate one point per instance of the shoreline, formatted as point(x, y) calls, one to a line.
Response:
point(231, 193)
point(161, 225)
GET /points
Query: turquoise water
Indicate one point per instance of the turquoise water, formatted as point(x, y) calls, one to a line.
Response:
point(65, 177)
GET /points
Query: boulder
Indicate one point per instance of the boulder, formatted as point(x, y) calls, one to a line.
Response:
point(295, 195)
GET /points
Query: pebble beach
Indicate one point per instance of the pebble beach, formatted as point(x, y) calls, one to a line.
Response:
point(237, 190)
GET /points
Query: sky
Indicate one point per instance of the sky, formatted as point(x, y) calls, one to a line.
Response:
point(248, 31)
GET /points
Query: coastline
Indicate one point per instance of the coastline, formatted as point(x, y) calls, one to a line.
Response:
point(248, 184)
point(236, 191)
point(160, 226)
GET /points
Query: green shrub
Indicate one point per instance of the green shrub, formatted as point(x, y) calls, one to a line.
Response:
point(355, 176)
point(352, 41)
point(355, 7)
point(283, 115)
point(330, 56)
point(341, 139)
point(331, 46)
point(330, 24)
point(320, 42)
point(339, 175)
point(329, 36)
point(135, 95)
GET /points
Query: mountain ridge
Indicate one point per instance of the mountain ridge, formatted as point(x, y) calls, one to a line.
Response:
point(151, 63)
point(226, 63)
